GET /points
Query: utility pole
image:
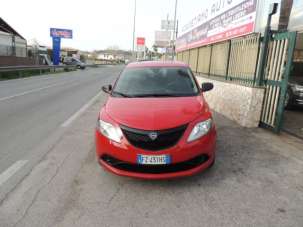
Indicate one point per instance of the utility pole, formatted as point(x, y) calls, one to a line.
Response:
point(134, 28)
point(175, 30)
point(267, 34)
point(167, 48)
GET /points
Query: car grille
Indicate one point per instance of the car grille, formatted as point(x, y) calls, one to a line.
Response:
point(155, 169)
point(165, 138)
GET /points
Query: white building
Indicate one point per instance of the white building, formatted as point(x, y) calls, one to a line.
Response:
point(106, 56)
point(11, 42)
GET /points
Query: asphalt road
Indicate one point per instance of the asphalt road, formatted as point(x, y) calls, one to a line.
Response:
point(33, 111)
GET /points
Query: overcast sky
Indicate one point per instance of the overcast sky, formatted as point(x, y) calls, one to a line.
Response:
point(97, 24)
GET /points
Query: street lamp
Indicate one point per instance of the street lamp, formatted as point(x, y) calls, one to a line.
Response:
point(272, 11)
point(175, 30)
point(134, 28)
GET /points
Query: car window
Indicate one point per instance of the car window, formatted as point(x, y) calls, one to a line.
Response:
point(156, 82)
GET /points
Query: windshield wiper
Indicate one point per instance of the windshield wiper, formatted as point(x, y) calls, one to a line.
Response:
point(160, 95)
point(121, 94)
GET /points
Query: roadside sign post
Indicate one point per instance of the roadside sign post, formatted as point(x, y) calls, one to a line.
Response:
point(175, 28)
point(141, 45)
point(56, 50)
point(57, 34)
point(267, 33)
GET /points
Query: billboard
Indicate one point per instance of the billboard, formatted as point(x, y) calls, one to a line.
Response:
point(61, 33)
point(167, 24)
point(162, 38)
point(219, 20)
point(140, 41)
point(140, 44)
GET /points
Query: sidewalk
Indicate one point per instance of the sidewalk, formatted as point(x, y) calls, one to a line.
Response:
point(256, 181)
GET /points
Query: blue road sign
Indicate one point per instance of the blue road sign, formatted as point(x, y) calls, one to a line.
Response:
point(56, 50)
point(57, 34)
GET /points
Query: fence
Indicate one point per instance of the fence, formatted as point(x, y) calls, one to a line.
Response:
point(233, 60)
point(243, 62)
point(219, 59)
point(15, 61)
point(204, 56)
point(12, 72)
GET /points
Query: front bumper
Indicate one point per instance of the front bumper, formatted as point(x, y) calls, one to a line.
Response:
point(187, 158)
point(298, 99)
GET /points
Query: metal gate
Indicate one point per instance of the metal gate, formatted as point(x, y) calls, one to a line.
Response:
point(277, 71)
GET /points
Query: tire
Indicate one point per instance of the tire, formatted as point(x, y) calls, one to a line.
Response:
point(212, 164)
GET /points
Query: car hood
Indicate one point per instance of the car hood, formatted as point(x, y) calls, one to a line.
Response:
point(154, 113)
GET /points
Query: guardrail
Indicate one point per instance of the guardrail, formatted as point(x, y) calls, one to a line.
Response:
point(13, 72)
point(35, 67)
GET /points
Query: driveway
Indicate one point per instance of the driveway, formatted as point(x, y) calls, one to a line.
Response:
point(293, 121)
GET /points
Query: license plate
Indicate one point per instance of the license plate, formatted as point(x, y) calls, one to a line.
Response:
point(153, 159)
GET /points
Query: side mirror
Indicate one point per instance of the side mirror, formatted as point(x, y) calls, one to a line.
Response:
point(107, 88)
point(207, 87)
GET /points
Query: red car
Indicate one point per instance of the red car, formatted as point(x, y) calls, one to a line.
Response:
point(156, 123)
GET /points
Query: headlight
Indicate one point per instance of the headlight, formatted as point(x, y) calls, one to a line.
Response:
point(200, 129)
point(297, 88)
point(110, 131)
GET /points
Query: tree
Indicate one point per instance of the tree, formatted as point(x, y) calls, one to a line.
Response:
point(155, 48)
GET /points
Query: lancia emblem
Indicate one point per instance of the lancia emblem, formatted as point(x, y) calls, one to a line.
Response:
point(153, 135)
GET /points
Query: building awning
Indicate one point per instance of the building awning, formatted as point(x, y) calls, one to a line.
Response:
point(5, 27)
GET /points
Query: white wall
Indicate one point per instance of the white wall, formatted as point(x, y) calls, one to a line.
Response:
point(20, 47)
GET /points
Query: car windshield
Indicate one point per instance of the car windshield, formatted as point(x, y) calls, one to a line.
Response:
point(156, 82)
point(296, 80)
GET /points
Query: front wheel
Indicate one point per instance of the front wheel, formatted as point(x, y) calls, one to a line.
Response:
point(212, 164)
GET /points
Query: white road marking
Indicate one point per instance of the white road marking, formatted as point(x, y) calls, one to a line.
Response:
point(29, 91)
point(11, 171)
point(80, 111)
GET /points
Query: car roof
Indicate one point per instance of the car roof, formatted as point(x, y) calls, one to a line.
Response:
point(147, 64)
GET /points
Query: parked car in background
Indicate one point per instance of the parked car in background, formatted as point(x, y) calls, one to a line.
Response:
point(156, 123)
point(294, 95)
point(74, 61)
